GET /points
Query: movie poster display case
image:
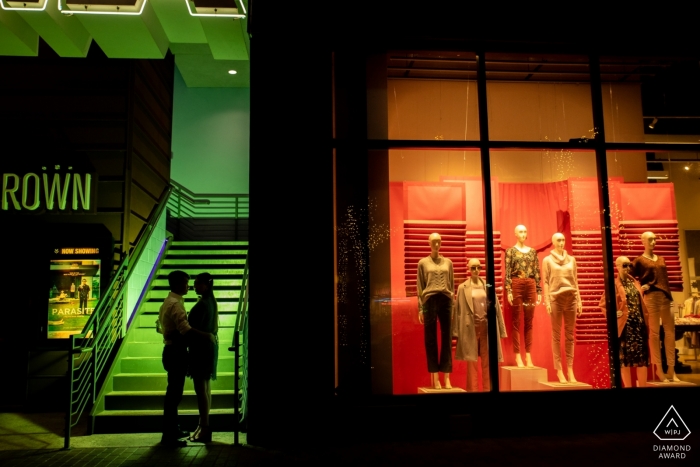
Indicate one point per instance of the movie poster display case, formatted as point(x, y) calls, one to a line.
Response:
point(440, 290)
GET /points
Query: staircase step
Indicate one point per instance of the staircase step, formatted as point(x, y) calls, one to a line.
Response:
point(148, 320)
point(151, 421)
point(155, 364)
point(162, 294)
point(159, 381)
point(198, 262)
point(155, 349)
point(218, 282)
point(198, 252)
point(154, 306)
point(214, 271)
point(153, 400)
point(178, 243)
point(149, 335)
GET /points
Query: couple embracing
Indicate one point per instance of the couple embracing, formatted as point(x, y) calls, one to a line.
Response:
point(191, 349)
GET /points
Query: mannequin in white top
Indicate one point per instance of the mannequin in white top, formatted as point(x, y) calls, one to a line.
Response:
point(523, 289)
point(435, 286)
point(562, 300)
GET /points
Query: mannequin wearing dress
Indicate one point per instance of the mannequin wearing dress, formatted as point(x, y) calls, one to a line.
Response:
point(523, 289)
point(563, 301)
point(632, 318)
point(650, 270)
point(435, 283)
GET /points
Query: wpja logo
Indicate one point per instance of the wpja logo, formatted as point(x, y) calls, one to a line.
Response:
point(672, 428)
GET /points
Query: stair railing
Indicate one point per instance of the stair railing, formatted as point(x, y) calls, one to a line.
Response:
point(240, 369)
point(89, 350)
point(186, 206)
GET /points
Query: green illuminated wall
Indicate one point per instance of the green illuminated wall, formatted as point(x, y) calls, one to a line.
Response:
point(210, 138)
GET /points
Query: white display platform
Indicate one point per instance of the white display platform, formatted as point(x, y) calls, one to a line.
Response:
point(422, 390)
point(557, 386)
point(518, 378)
point(675, 384)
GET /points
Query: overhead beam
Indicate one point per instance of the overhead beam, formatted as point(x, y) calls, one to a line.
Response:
point(16, 36)
point(64, 34)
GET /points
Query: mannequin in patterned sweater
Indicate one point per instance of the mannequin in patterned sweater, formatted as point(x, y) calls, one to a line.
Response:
point(523, 291)
point(436, 285)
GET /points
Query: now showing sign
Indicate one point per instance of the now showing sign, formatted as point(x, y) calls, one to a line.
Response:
point(50, 191)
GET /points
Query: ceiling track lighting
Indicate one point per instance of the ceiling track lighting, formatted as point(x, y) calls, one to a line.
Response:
point(39, 5)
point(98, 9)
point(653, 123)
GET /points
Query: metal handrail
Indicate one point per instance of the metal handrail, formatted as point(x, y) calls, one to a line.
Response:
point(185, 203)
point(89, 351)
point(240, 384)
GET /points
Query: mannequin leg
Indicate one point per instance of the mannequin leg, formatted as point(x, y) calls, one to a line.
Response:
point(484, 356)
point(430, 337)
point(472, 377)
point(654, 344)
point(669, 341)
point(569, 323)
point(641, 376)
point(626, 377)
point(444, 316)
point(555, 319)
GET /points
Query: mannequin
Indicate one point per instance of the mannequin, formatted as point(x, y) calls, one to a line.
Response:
point(632, 319)
point(523, 289)
point(435, 297)
point(650, 270)
point(471, 326)
point(563, 300)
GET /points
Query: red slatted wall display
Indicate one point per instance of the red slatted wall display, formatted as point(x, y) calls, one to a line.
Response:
point(587, 248)
point(667, 241)
point(476, 249)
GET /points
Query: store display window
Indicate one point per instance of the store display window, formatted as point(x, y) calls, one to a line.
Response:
point(473, 247)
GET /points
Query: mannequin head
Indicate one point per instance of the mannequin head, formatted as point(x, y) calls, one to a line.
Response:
point(649, 240)
point(435, 242)
point(559, 242)
point(521, 233)
point(622, 264)
point(474, 268)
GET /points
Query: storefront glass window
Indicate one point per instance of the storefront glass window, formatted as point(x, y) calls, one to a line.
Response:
point(656, 229)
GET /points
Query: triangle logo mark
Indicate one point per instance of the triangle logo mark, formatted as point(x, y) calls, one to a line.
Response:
point(672, 427)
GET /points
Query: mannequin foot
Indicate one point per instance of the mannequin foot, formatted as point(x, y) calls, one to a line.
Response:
point(572, 379)
point(519, 360)
point(660, 374)
point(447, 381)
point(560, 375)
point(674, 378)
point(436, 381)
point(528, 361)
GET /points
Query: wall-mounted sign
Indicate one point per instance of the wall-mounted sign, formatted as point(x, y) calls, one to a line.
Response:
point(50, 189)
point(74, 290)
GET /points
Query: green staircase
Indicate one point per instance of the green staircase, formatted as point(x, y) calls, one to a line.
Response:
point(131, 400)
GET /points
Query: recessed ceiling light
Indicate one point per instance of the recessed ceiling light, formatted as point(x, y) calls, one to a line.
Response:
point(687, 167)
point(232, 72)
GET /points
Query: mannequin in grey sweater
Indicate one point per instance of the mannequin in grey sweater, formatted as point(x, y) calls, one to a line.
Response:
point(435, 283)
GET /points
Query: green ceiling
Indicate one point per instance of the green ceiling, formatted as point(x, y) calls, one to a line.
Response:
point(205, 47)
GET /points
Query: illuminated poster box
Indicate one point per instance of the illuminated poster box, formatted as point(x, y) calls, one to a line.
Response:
point(74, 290)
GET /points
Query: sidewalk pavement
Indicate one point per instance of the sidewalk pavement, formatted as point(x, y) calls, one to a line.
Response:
point(36, 439)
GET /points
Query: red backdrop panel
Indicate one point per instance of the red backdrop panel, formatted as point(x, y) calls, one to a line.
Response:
point(433, 201)
point(644, 201)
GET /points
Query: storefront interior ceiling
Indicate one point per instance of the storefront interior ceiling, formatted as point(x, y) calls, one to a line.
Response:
point(670, 95)
point(205, 36)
